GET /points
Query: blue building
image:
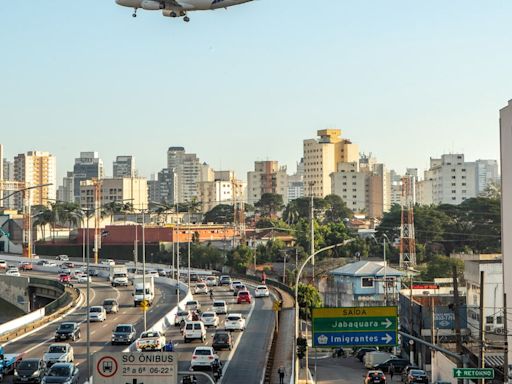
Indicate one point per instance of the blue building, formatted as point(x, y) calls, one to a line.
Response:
point(363, 283)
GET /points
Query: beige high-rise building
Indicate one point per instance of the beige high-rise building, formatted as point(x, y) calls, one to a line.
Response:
point(321, 157)
point(225, 189)
point(132, 190)
point(267, 177)
point(36, 168)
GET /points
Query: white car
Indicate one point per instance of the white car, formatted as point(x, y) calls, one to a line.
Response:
point(182, 317)
point(212, 281)
point(64, 270)
point(201, 288)
point(220, 307)
point(192, 305)
point(152, 273)
point(261, 291)
point(59, 353)
point(194, 330)
point(203, 357)
point(13, 272)
point(97, 313)
point(234, 284)
point(210, 319)
point(3, 264)
point(62, 258)
point(108, 262)
point(82, 277)
point(150, 341)
point(234, 322)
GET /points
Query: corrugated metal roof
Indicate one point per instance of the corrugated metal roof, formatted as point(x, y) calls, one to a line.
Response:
point(365, 268)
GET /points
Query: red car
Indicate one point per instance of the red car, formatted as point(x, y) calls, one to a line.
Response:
point(26, 266)
point(244, 297)
point(63, 278)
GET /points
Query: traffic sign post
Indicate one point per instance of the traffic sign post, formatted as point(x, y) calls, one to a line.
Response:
point(355, 326)
point(135, 368)
point(144, 305)
point(473, 373)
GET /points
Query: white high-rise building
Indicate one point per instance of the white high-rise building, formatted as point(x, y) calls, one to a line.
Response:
point(225, 189)
point(123, 189)
point(486, 173)
point(124, 166)
point(267, 177)
point(296, 182)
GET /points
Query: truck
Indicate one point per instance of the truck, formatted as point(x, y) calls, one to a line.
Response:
point(118, 275)
point(374, 358)
point(138, 290)
point(8, 362)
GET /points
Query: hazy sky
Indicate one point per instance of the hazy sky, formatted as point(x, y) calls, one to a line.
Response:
point(404, 79)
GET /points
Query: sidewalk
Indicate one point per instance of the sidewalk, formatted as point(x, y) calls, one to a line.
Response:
point(284, 344)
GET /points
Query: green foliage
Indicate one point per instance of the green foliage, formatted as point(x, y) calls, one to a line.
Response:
point(308, 297)
point(205, 256)
point(220, 214)
point(441, 266)
point(240, 258)
point(270, 252)
point(270, 204)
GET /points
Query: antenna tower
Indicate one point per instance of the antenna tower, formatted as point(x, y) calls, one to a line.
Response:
point(407, 234)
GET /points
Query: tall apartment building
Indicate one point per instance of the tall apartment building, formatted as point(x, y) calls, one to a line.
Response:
point(190, 172)
point(296, 182)
point(132, 190)
point(86, 167)
point(36, 168)
point(66, 192)
point(267, 177)
point(321, 157)
point(8, 174)
point(124, 166)
point(225, 189)
point(164, 188)
point(486, 173)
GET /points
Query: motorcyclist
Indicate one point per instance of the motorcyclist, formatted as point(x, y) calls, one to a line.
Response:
point(216, 369)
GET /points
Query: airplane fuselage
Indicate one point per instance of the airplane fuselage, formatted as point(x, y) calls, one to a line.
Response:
point(180, 5)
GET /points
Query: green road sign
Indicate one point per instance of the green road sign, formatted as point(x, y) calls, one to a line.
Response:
point(473, 373)
point(355, 326)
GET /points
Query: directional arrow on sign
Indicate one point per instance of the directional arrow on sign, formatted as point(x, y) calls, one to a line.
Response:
point(388, 323)
point(387, 339)
point(459, 372)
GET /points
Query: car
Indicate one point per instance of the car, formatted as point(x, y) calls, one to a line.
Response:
point(261, 291)
point(182, 317)
point(225, 280)
point(362, 351)
point(406, 370)
point(194, 277)
point(210, 319)
point(222, 340)
point(244, 297)
point(220, 307)
point(162, 272)
point(93, 272)
point(201, 288)
point(123, 334)
point(65, 278)
point(46, 263)
point(234, 322)
point(61, 373)
point(97, 313)
point(62, 258)
point(194, 330)
point(152, 273)
point(29, 371)
point(26, 266)
point(12, 272)
point(81, 277)
point(192, 305)
point(68, 330)
point(203, 357)
point(239, 288)
point(64, 270)
point(3, 264)
point(68, 264)
point(235, 284)
point(111, 305)
point(211, 281)
point(399, 365)
point(150, 341)
point(416, 376)
point(58, 353)
point(374, 377)
point(107, 262)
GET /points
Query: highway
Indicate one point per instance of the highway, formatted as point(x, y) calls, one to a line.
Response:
point(36, 344)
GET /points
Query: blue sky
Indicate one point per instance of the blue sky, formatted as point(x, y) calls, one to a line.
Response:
point(404, 79)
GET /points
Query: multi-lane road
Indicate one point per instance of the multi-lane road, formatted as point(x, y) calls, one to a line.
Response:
point(245, 363)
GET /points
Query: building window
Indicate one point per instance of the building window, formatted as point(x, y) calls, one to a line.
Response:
point(367, 282)
point(454, 184)
point(499, 320)
point(453, 177)
point(489, 320)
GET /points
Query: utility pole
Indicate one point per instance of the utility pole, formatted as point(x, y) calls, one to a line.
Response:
point(458, 336)
point(505, 339)
point(312, 229)
point(433, 338)
point(481, 355)
point(411, 346)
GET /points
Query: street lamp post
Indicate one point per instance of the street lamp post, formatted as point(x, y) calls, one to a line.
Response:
point(310, 257)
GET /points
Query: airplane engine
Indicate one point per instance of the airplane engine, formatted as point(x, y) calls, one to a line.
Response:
point(169, 13)
point(151, 5)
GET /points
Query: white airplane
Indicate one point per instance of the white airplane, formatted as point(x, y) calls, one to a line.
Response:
point(178, 8)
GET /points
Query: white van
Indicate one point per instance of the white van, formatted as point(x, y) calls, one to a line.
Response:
point(371, 359)
point(194, 330)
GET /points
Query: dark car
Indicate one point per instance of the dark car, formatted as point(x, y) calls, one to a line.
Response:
point(398, 364)
point(61, 373)
point(374, 377)
point(194, 277)
point(222, 340)
point(406, 370)
point(361, 352)
point(67, 331)
point(123, 334)
point(417, 376)
point(29, 371)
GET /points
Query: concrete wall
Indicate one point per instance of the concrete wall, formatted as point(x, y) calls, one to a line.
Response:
point(443, 368)
point(15, 290)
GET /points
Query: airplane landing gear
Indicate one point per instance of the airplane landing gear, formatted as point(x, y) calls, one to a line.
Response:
point(134, 12)
point(186, 19)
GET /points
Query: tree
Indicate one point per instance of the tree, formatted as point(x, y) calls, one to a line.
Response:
point(220, 214)
point(270, 204)
point(336, 209)
point(441, 266)
point(308, 298)
point(205, 256)
point(240, 258)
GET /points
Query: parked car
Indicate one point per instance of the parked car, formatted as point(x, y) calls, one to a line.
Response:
point(210, 319)
point(201, 288)
point(97, 313)
point(111, 305)
point(67, 331)
point(123, 334)
point(150, 341)
point(182, 317)
point(29, 371)
point(416, 376)
point(222, 340)
point(374, 377)
point(62, 257)
point(58, 353)
point(203, 357)
point(399, 365)
point(26, 266)
point(261, 291)
point(234, 322)
point(244, 297)
point(194, 330)
point(220, 307)
point(61, 373)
